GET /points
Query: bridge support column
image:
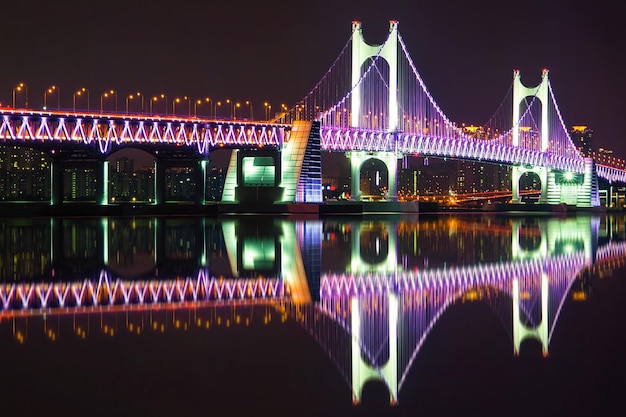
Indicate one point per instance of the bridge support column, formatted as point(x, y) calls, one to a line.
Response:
point(516, 175)
point(159, 182)
point(102, 183)
point(200, 177)
point(56, 182)
point(390, 159)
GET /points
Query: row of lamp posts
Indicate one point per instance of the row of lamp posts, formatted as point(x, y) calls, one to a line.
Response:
point(138, 96)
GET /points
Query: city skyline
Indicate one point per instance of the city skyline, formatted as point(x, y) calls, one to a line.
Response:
point(249, 51)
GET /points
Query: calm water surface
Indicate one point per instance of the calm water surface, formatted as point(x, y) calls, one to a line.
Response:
point(420, 315)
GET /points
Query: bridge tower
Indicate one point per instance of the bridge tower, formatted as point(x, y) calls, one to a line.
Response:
point(583, 190)
point(362, 371)
point(520, 92)
point(361, 52)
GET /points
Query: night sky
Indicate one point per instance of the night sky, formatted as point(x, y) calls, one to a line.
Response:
point(276, 51)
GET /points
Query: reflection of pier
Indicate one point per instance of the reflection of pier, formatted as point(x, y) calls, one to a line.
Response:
point(372, 320)
point(373, 323)
point(154, 260)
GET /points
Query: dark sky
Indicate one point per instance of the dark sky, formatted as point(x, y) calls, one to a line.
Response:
point(276, 51)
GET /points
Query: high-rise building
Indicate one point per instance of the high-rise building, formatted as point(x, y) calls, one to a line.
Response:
point(215, 184)
point(582, 138)
point(24, 174)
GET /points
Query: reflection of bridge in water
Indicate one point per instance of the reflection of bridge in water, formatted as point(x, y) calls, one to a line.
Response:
point(374, 312)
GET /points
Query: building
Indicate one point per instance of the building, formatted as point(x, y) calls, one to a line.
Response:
point(24, 174)
point(582, 136)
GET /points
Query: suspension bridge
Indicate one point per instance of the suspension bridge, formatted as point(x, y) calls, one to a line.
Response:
point(371, 104)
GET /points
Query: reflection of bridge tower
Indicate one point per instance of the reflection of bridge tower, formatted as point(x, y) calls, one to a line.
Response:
point(361, 52)
point(362, 371)
point(520, 330)
point(559, 239)
point(518, 252)
point(386, 263)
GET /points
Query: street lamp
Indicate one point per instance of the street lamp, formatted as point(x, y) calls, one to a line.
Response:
point(235, 110)
point(198, 102)
point(232, 107)
point(80, 93)
point(249, 103)
point(108, 94)
point(268, 108)
point(19, 88)
point(50, 91)
point(178, 100)
point(219, 103)
point(155, 99)
point(137, 95)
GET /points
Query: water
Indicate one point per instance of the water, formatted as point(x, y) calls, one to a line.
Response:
point(410, 315)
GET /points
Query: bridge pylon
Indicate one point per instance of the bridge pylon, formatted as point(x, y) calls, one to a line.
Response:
point(520, 92)
point(580, 190)
point(361, 52)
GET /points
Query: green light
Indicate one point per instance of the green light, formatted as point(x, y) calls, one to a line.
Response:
point(569, 176)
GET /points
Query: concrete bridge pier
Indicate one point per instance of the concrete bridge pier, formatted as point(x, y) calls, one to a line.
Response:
point(390, 159)
point(516, 175)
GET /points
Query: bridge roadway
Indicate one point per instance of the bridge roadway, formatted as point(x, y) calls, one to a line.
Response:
point(109, 132)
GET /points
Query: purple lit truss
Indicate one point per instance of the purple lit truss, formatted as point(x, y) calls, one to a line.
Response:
point(350, 139)
point(108, 130)
point(107, 291)
point(341, 285)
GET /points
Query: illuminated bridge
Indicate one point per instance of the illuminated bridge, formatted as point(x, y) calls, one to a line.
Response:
point(371, 104)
